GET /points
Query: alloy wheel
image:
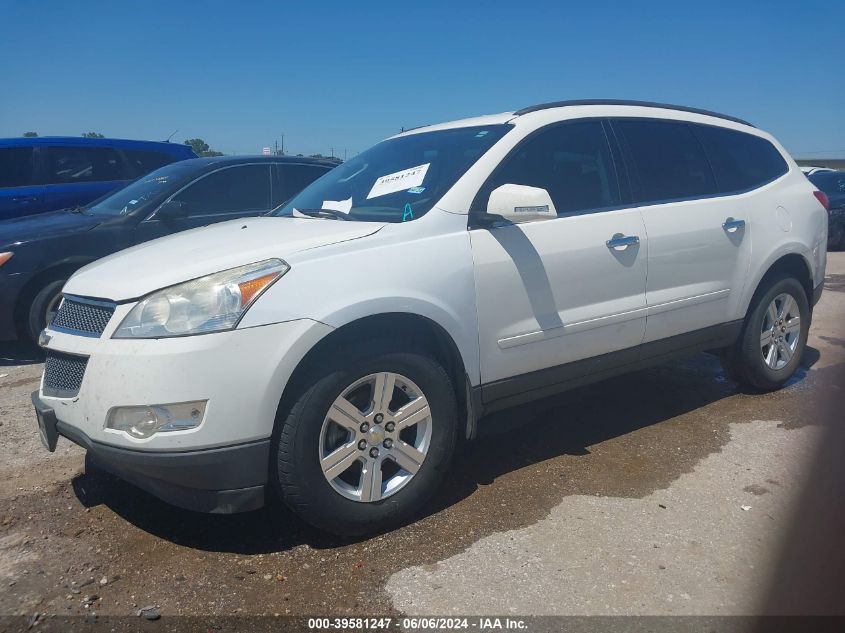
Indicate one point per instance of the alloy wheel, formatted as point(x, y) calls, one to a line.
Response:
point(780, 331)
point(375, 437)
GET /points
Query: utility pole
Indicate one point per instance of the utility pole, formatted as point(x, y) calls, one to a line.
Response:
point(283, 144)
point(332, 152)
point(344, 154)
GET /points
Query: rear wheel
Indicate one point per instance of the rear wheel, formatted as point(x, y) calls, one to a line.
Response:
point(368, 439)
point(774, 335)
point(43, 308)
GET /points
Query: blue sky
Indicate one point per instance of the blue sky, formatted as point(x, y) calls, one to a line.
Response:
point(346, 74)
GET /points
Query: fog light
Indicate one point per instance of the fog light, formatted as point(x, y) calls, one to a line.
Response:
point(143, 422)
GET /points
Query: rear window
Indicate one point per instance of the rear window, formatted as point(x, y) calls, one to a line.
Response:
point(831, 182)
point(740, 161)
point(144, 162)
point(15, 166)
point(84, 164)
point(669, 163)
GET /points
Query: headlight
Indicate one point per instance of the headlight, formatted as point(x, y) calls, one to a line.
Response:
point(208, 304)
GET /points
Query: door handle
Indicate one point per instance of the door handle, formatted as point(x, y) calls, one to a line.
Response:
point(620, 242)
point(731, 225)
point(24, 199)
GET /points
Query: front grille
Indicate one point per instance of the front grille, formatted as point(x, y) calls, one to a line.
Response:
point(63, 374)
point(82, 316)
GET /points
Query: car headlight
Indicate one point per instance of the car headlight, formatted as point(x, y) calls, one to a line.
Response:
point(208, 304)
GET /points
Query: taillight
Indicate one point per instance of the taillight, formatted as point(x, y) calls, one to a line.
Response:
point(821, 197)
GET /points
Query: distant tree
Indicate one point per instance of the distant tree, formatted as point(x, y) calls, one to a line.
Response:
point(92, 135)
point(333, 159)
point(30, 134)
point(201, 148)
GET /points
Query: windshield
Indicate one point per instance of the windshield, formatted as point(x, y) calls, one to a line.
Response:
point(831, 182)
point(156, 184)
point(397, 180)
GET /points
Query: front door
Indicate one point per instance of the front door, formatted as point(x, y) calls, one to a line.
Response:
point(553, 292)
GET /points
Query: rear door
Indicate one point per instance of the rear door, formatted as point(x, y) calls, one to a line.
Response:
point(290, 179)
point(225, 194)
point(699, 242)
point(75, 175)
point(553, 292)
point(19, 195)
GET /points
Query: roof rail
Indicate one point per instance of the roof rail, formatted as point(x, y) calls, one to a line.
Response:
point(625, 102)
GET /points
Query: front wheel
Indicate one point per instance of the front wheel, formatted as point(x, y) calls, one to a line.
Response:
point(367, 440)
point(773, 338)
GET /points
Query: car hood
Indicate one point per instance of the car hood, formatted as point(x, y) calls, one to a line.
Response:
point(137, 271)
point(44, 225)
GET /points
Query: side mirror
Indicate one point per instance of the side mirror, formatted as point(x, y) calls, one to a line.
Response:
point(520, 203)
point(172, 210)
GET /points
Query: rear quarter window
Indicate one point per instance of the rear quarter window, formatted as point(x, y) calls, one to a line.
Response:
point(143, 161)
point(740, 161)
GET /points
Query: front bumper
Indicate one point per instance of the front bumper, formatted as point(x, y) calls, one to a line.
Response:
point(219, 466)
point(219, 480)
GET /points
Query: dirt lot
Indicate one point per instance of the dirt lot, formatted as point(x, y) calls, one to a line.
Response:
point(663, 492)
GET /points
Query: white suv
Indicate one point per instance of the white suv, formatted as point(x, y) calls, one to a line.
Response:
point(336, 350)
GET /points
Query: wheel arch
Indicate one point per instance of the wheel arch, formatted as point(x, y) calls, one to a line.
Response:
point(414, 328)
point(794, 264)
point(58, 270)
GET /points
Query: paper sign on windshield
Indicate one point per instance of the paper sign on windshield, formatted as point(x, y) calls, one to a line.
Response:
point(399, 181)
point(344, 206)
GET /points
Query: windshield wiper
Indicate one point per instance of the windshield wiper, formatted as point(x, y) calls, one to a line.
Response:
point(324, 213)
point(77, 209)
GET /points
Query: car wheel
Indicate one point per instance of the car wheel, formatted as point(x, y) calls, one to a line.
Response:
point(43, 308)
point(773, 338)
point(367, 440)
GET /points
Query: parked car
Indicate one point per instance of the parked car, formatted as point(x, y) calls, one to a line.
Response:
point(810, 169)
point(41, 252)
point(335, 350)
point(832, 184)
point(47, 173)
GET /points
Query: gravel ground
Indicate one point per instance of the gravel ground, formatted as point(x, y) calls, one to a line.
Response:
point(558, 508)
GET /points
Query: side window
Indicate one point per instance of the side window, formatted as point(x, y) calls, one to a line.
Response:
point(229, 190)
point(15, 166)
point(291, 179)
point(571, 161)
point(668, 161)
point(83, 164)
point(143, 162)
point(740, 161)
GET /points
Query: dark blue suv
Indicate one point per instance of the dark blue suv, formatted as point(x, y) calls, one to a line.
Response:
point(48, 173)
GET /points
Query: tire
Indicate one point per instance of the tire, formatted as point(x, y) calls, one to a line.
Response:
point(762, 368)
point(306, 441)
point(44, 301)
